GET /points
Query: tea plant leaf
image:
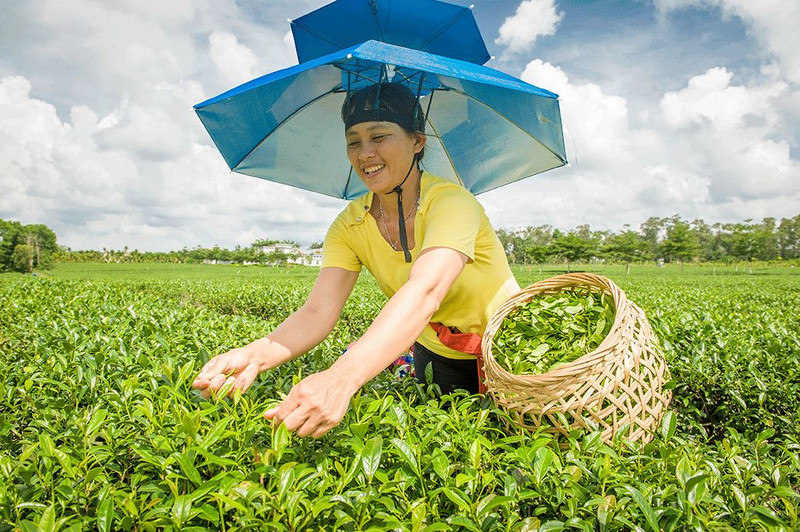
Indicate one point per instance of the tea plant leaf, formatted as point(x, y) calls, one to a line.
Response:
point(543, 461)
point(695, 487)
point(105, 515)
point(440, 463)
point(644, 506)
point(765, 516)
point(371, 456)
point(407, 453)
point(668, 425)
point(187, 466)
point(47, 521)
point(181, 510)
point(458, 498)
point(98, 418)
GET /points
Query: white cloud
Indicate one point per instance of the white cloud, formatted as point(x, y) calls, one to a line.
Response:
point(596, 124)
point(773, 22)
point(533, 19)
point(711, 99)
point(710, 149)
point(728, 130)
point(234, 61)
point(114, 185)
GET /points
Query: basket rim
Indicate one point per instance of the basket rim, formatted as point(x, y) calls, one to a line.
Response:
point(556, 284)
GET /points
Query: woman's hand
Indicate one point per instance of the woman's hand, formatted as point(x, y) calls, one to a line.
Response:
point(316, 404)
point(238, 366)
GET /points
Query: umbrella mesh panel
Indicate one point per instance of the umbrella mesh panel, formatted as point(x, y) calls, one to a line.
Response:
point(616, 389)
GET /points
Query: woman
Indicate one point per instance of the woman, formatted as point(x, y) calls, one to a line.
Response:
point(448, 267)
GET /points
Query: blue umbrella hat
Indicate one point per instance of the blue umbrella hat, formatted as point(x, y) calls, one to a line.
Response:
point(427, 25)
point(485, 128)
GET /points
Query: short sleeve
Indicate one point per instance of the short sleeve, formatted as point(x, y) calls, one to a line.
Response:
point(453, 220)
point(336, 252)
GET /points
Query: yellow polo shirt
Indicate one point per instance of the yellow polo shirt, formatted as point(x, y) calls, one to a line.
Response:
point(448, 216)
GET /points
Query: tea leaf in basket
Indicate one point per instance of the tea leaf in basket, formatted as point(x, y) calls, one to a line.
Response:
point(552, 330)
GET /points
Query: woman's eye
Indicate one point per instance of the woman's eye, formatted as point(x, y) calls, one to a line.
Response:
point(352, 144)
point(378, 137)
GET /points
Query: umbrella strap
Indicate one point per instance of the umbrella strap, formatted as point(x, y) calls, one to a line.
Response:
point(401, 213)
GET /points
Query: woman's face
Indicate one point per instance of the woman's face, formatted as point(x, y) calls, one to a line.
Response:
point(382, 153)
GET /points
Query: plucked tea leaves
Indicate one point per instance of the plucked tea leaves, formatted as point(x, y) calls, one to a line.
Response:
point(552, 330)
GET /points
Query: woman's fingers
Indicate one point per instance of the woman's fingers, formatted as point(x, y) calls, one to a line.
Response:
point(212, 369)
point(235, 362)
point(245, 378)
point(313, 407)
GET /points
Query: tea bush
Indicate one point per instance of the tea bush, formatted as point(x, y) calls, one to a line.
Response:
point(99, 428)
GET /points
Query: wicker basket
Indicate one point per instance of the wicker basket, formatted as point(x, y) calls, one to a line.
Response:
point(617, 387)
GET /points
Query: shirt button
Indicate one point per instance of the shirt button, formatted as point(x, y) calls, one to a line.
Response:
point(358, 218)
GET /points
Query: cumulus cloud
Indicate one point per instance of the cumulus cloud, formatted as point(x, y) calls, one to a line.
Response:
point(711, 99)
point(533, 19)
point(730, 129)
point(98, 138)
point(710, 150)
point(772, 22)
point(234, 61)
point(105, 182)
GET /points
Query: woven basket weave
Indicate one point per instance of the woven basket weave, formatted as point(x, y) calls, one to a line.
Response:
point(617, 387)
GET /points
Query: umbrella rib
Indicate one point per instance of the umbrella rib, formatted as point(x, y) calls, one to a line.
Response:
point(277, 127)
point(446, 152)
point(437, 34)
point(557, 156)
point(317, 35)
point(347, 185)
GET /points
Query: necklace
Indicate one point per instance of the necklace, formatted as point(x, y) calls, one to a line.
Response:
point(407, 216)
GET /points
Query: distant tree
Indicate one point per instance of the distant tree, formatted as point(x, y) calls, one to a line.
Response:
point(22, 258)
point(652, 232)
point(789, 237)
point(532, 244)
point(571, 248)
point(277, 258)
point(742, 242)
point(626, 247)
point(704, 235)
point(316, 245)
point(765, 240)
point(680, 243)
point(40, 242)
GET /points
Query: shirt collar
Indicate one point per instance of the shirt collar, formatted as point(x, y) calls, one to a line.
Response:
point(359, 208)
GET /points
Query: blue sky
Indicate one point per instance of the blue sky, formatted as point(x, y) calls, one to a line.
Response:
point(686, 107)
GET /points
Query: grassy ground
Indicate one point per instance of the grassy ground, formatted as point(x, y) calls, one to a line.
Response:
point(148, 271)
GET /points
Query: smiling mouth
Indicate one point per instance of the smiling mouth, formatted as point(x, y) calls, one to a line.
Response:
point(369, 170)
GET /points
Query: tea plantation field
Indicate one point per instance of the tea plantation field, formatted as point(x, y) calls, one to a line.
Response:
point(100, 429)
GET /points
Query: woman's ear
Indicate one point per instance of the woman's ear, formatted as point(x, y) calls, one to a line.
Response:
point(420, 139)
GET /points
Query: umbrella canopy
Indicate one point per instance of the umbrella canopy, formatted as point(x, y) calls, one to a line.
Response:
point(485, 128)
point(428, 25)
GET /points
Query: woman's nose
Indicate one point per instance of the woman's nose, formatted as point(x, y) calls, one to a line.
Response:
point(366, 151)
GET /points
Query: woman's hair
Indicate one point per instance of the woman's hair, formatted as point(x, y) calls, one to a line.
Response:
point(385, 102)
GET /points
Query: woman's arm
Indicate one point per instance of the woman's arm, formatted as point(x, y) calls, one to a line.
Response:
point(300, 332)
point(318, 402)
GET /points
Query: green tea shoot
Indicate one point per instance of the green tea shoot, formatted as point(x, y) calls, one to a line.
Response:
point(552, 330)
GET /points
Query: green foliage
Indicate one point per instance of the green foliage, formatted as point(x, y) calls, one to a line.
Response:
point(552, 330)
point(25, 247)
point(667, 239)
point(99, 428)
point(22, 259)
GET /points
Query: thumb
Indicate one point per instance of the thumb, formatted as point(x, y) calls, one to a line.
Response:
point(270, 413)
